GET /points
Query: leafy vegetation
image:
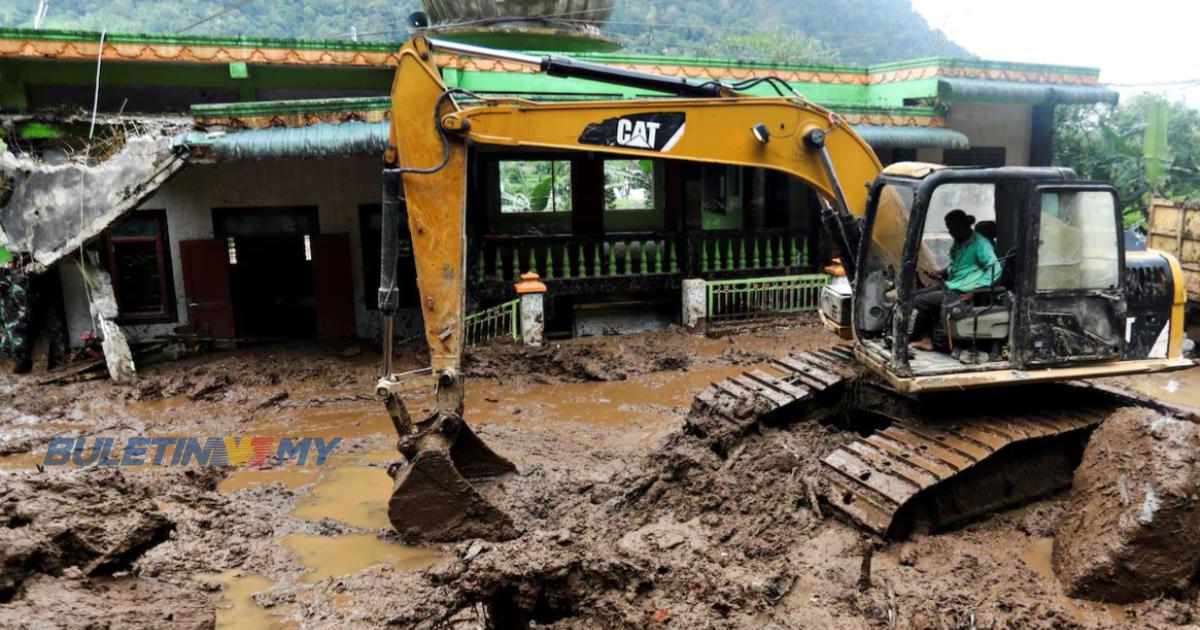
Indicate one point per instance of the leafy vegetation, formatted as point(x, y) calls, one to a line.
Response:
point(628, 184)
point(772, 30)
point(865, 31)
point(535, 186)
point(1131, 147)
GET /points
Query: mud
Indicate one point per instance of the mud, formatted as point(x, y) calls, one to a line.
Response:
point(587, 359)
point(631, 513)
point(1129, 529)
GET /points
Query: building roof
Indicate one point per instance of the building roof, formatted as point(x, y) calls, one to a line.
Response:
point(322, 140)
point(897, 104)
point(262, 63)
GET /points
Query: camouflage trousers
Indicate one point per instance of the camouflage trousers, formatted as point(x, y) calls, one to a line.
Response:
point(15, 338)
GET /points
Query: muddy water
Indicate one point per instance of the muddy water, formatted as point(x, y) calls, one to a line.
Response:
point(1037, 557)
point(21, 461)
point(289, 476)
point(355, 495)
point(308, 412)
point(335, 556)
point(236, 608)
point(1181, 387)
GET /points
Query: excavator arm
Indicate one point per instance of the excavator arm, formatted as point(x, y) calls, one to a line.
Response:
point(431, 127)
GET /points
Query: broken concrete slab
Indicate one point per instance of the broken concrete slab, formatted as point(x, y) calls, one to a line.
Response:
point(1129, 530)
point(49, 210)
point(102, 301)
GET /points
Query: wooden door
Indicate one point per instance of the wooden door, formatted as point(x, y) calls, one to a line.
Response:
point(333, 285)
point(206, 286)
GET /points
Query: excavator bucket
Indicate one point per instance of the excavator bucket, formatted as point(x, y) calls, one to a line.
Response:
point(433, 495)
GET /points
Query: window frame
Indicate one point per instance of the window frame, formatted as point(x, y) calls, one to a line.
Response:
point(168, 311)
point(552, 200)
point(1035, 236)
point(976, 157)
point(651, 198)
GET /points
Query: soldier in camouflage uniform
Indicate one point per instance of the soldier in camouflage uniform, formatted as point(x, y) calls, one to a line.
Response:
point(15, 338)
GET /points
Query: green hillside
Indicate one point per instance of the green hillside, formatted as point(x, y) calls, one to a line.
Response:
point(781, 30)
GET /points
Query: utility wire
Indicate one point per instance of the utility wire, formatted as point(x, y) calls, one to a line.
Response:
point(229, 9)
point(1166, 83)
point(560, 16)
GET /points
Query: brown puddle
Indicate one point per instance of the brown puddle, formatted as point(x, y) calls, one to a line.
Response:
point(22, 461)
point(1037, 557)
point(650, 398)
point(334, 419)
point(355, 495)
point(236, 608)
point(1181, 387)
point(290, 477)
point(333, 556)
point(308, 412)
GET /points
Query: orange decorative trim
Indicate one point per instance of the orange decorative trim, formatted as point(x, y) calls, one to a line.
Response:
point(203, 53)
point(935, 70)
point(193, 53)
point(293, 120)
point(991, 74)
point(893, 120)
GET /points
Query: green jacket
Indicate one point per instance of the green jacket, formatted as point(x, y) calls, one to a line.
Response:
point(973, 265)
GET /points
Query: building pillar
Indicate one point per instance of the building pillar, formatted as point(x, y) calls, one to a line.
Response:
point(1041, 140)
point(695, 305)
point(532, 292)
point(103, 304)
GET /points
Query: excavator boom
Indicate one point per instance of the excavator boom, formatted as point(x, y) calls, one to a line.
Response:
point(432, 124)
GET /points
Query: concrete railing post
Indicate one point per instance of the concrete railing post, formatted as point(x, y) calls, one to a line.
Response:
point(103, 303)
point(531, 290)
point(695, 305)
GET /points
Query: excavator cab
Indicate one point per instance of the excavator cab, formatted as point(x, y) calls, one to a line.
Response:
point(1059, 304)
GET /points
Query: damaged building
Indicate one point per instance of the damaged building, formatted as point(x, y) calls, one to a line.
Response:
point(232, 185)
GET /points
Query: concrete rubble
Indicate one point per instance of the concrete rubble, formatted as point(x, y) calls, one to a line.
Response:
point(118, 358)
point(1130, 528)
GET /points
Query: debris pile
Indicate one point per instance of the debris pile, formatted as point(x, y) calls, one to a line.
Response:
point(94, 520)
point(1130, 528)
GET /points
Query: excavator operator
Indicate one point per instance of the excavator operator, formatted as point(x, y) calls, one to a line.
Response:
point(973, 266)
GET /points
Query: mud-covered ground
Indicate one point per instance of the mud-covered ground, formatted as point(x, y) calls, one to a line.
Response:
point(627, 519)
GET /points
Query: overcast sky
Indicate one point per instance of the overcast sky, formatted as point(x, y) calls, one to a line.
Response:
point(1141, 42)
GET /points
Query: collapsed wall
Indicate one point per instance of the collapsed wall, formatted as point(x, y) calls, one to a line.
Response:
point(49, 210)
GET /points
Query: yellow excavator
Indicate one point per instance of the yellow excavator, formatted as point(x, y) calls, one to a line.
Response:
point(1068, 301)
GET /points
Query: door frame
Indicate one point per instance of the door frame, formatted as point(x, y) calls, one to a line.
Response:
point(1027, 292)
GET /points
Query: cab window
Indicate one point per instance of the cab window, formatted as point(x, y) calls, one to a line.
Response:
point(975, 199)
point(882, 264)
point(1077, 241)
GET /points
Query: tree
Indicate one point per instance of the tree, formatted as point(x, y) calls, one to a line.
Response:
point(1126, 146)
point(814, 31)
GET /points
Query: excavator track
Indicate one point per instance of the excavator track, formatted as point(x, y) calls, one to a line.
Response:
point(873, 479)
point(919, 463)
